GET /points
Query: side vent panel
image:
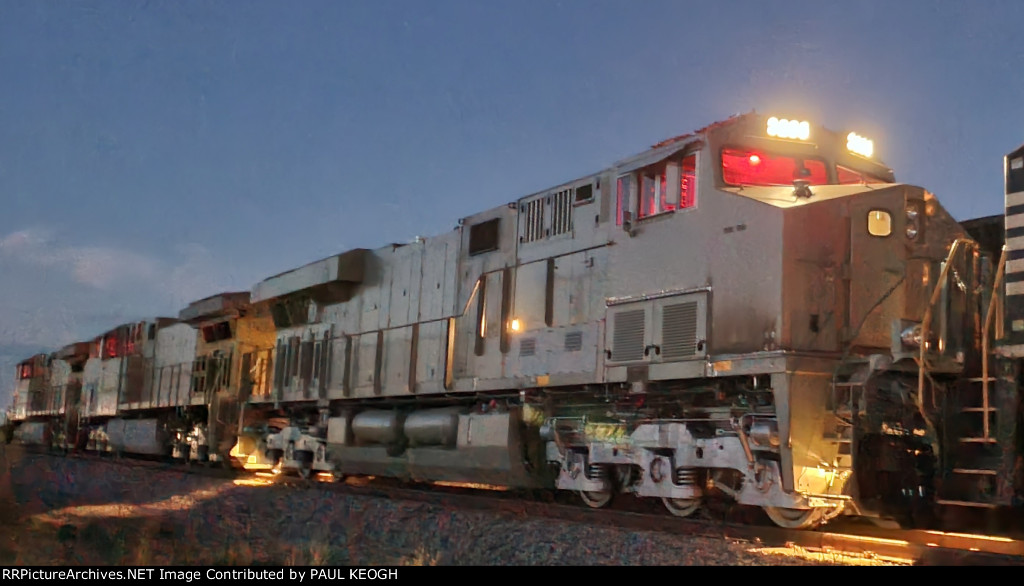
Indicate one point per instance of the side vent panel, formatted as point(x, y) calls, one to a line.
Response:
point(561, 212)
point(628, 340)
point(679, 330)
point(573, 341)
point(527, 346)
point(532, 213)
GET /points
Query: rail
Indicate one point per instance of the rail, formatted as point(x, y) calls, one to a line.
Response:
point(992, 304)
point(918, 546)
point(939, 285)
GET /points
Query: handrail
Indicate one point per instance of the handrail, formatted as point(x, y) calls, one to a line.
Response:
point(984, 338)
point(940, 283)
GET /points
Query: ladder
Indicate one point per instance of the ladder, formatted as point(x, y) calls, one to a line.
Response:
point(977, 471)
point(847, 406)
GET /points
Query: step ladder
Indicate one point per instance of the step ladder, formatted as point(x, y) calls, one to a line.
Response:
point(977, 471)
point(847, 406)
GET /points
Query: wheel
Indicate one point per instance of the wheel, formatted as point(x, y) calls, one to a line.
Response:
point(681, 507)
point(596, 499)
point(795, 518)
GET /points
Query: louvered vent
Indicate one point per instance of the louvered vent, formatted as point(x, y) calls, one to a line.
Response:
point(527, 346)
point(533, 220)
point(573, 341)
point(561, 212)
point(679, 330)
point(629, 335)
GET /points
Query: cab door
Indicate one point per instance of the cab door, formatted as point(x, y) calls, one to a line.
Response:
point(875, 264)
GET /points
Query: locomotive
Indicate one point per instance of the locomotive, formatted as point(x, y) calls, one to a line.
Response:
point(755, 311)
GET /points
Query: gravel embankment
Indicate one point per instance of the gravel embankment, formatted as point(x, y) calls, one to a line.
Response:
point(67, 511)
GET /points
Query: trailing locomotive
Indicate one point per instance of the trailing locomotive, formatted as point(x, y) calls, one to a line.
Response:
point(755, 311)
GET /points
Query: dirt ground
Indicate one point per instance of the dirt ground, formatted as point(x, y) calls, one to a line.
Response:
point(58, 511)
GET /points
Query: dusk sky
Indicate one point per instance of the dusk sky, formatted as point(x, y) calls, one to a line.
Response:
point(153, 153)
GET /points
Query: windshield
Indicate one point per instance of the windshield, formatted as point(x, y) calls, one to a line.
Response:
point(754, 167)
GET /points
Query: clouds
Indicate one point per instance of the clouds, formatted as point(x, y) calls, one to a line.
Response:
point(94, 266)
point(55, 292)
point(190, 272)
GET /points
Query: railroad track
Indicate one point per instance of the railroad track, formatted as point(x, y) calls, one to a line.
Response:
point(911, 546)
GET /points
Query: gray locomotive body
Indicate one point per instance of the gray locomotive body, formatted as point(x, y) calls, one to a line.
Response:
point(728, 313)
point(755, 311)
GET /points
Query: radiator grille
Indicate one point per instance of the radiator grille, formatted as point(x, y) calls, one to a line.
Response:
point(527, 346)
point(679, 330)
point(561, 212)
point(533, 220)
point(628, 339)
point(573, 341)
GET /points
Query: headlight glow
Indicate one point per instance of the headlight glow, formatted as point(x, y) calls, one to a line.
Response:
point(859, 145)
point(783, 128)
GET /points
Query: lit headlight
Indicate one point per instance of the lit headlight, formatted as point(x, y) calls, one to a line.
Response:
point(912, 336)
point(784, 128)
point(859, 145)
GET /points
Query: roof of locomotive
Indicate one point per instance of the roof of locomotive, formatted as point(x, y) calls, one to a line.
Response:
point(159, 321)
point(348, 266)
point(747, 127)
point(214, 306)
point(74, 351)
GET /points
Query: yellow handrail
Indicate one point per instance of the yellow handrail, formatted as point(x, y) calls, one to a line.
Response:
point(928, 316)
point(984, 339)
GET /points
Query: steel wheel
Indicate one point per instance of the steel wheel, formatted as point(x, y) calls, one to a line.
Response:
point(596, 499)
point(795, 518)
point(681, 507)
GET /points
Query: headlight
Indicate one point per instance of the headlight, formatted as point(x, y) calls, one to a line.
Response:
point(912, 336)
point(911, 232)
point(911, 213)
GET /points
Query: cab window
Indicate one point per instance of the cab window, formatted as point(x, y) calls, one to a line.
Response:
point(879, 223)
point(755, 167)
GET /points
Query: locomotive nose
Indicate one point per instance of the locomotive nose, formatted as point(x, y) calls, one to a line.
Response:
point(910, 261)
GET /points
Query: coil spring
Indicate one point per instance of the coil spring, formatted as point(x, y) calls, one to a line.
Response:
point(685, 476)
point(597, 471)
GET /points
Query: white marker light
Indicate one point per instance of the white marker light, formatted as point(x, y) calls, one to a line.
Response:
point(784, 128)
point(515, 325)
point(859, 145)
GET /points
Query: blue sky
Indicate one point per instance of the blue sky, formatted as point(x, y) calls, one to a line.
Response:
point(152, 153)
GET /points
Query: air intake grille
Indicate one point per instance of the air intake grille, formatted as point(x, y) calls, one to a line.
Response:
point(573, 341)
point(533, 220)
point(561, 212)
point(679, 330)
point(527, 346)
point(628, 340)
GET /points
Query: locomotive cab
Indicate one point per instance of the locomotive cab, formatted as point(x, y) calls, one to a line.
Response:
point(30, 400)
point(804, 286)
point(880, 276)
